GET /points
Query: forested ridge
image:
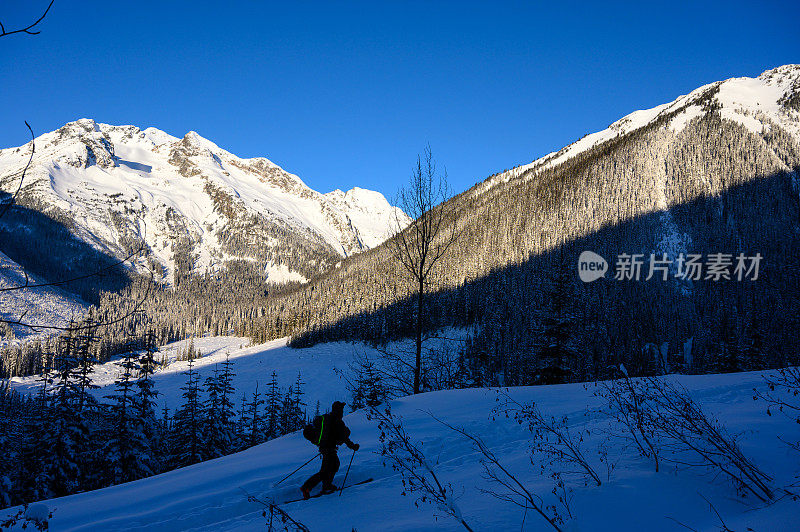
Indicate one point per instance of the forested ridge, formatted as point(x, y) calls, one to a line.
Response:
point(715, 187)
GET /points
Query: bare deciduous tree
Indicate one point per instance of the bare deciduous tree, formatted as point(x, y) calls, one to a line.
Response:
point(627, 405)
point(680, 432)
point(420, 246)
point(783, 392)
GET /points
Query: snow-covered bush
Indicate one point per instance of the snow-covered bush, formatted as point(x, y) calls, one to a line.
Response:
point(37, 515)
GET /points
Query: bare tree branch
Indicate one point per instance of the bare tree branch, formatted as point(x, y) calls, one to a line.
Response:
point(4, 33)
point(81, 327)
point(407, 458)
point(497, 473)
point(27, 284)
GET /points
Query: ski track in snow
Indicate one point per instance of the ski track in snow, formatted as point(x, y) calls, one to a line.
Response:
point(209, 496)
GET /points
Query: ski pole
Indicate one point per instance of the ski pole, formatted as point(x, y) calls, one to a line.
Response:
point(347, 472)
point(296, 470)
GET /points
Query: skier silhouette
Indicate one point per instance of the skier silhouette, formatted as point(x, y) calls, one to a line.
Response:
point(333, 432)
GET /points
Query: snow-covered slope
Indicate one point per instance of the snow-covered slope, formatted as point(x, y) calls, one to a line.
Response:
point(190, 200)
point(252, 364)
point(756, 103)
point(48, 305)
point(209, 496)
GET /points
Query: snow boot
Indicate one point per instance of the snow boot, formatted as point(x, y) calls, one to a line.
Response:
point(328, 489)
point(306, 492)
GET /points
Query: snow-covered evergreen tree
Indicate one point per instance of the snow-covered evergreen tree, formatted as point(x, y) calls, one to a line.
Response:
point(254, 423)
point(186, 439)
point(368, 389)
point(68, 433)
point(146, 399)
point(273, 406)
point(219, 413)
point(127, 449)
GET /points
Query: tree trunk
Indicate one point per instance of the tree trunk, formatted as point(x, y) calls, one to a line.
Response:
point(418, 362)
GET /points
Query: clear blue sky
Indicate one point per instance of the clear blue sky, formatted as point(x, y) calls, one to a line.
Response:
point(347, 93)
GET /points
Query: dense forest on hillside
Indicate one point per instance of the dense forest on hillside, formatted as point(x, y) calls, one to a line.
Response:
point(713, 188)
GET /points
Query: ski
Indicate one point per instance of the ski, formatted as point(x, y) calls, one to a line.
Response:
point(320, 494)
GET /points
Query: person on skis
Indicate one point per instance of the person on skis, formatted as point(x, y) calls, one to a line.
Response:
point(333, 432)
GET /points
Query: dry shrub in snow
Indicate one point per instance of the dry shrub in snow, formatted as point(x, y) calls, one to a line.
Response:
point(666, 423)
point(407, 458)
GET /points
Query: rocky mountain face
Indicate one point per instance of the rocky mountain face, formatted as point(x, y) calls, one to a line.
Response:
point(194, 206)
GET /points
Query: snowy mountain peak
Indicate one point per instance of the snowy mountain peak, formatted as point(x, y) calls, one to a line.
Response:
point(192, 202)
point(194, 140)
point(362, 205)
point(157, 137)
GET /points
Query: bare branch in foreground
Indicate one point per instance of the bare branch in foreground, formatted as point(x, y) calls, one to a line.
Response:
point(28, 29)
point(517, 493)
point(553, 438)
point(7, 205)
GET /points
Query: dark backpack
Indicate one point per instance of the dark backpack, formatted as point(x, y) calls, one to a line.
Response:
point(313, 432)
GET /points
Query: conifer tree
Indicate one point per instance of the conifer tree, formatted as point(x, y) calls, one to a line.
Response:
point(214, 435)
point(254, 427)
point(753, 354)
point(66, 429)
point(556, 356)
point(219, 413)
point(368, 389)
point(273, 407)
point(187, 424)
point(145, 401)
point(127, 449)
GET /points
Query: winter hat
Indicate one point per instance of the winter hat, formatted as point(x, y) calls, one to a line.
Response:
point(337, 408)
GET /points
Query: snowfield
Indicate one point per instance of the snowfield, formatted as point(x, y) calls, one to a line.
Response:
point(252, 365)
point(211, 495)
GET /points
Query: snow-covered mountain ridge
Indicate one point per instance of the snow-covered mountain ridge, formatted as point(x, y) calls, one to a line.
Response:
point(194, 204)
point(757, 103)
